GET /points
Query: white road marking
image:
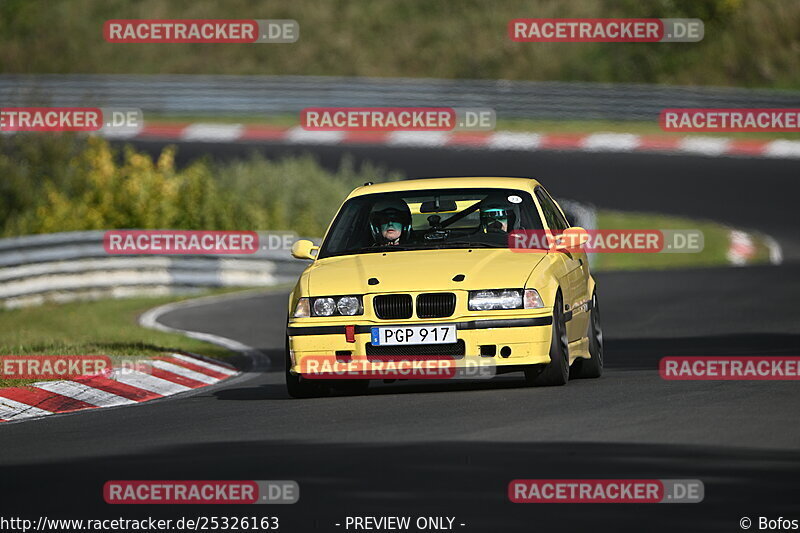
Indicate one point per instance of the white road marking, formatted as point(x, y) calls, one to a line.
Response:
point(299, 135)
point(183, 371)
point(417, 138)
point(212, 132)
point(149, 319)
point(611, 142)
point(704, 145)
point(509, 140)
point(205, 364)
point(782, 148)
point(149, 383)
point(13, 410)
point(84, 393)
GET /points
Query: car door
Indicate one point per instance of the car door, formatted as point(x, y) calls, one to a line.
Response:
point(576, 266)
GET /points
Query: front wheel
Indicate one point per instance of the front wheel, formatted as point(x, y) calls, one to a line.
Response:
point(592, 367)
point(556, 372)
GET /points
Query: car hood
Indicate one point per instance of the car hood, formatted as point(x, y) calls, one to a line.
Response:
point(421, 270)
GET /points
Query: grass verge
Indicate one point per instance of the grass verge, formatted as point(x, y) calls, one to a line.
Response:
point(716, 243)
point(103, 327)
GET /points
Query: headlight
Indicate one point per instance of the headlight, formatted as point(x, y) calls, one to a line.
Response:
point(499, 299)
point(510, 299)
point(324, 306)
point(331, 306)
point(482, 300)
point(348, 305)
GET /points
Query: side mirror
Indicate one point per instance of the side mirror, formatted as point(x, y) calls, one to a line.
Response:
point(572, 239)
point(304, 249)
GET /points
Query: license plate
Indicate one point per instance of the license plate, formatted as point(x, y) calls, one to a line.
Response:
point(432, 334)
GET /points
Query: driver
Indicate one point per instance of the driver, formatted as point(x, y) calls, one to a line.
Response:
point(390, 221)
point(495, 216)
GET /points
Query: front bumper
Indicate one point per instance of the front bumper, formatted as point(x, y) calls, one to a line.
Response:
point(526, 338)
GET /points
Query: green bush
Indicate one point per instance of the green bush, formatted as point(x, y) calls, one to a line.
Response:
point(70, 183)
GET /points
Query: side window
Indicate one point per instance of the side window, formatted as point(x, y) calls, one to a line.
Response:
point(555, 220)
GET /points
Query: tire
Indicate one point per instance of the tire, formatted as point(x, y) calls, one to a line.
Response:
point(556, 372)
point(593, 367)
point(296, 386)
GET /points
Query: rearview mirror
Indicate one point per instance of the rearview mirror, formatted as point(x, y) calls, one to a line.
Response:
point(304, 249)
point(442, 206)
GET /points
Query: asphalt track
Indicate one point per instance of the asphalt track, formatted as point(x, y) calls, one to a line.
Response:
point(451, 449)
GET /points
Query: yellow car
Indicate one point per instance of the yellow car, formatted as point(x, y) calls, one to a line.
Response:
point(425, 268)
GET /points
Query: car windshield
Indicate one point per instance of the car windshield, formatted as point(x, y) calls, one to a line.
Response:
point(430, 219)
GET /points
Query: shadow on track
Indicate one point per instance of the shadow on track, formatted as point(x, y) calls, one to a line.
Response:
point(467, 480)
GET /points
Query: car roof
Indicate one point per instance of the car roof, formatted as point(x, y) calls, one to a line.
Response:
point(454, 182)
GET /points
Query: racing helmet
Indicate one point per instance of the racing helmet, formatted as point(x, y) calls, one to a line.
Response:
point(494, 211)
point(390, 211)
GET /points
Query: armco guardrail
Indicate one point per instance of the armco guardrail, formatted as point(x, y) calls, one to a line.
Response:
point(68, 266)
point(262, 95)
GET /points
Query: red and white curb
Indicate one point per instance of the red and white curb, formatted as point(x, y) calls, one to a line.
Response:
point(742, 248)
point(153, 379)
point(496, 140)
